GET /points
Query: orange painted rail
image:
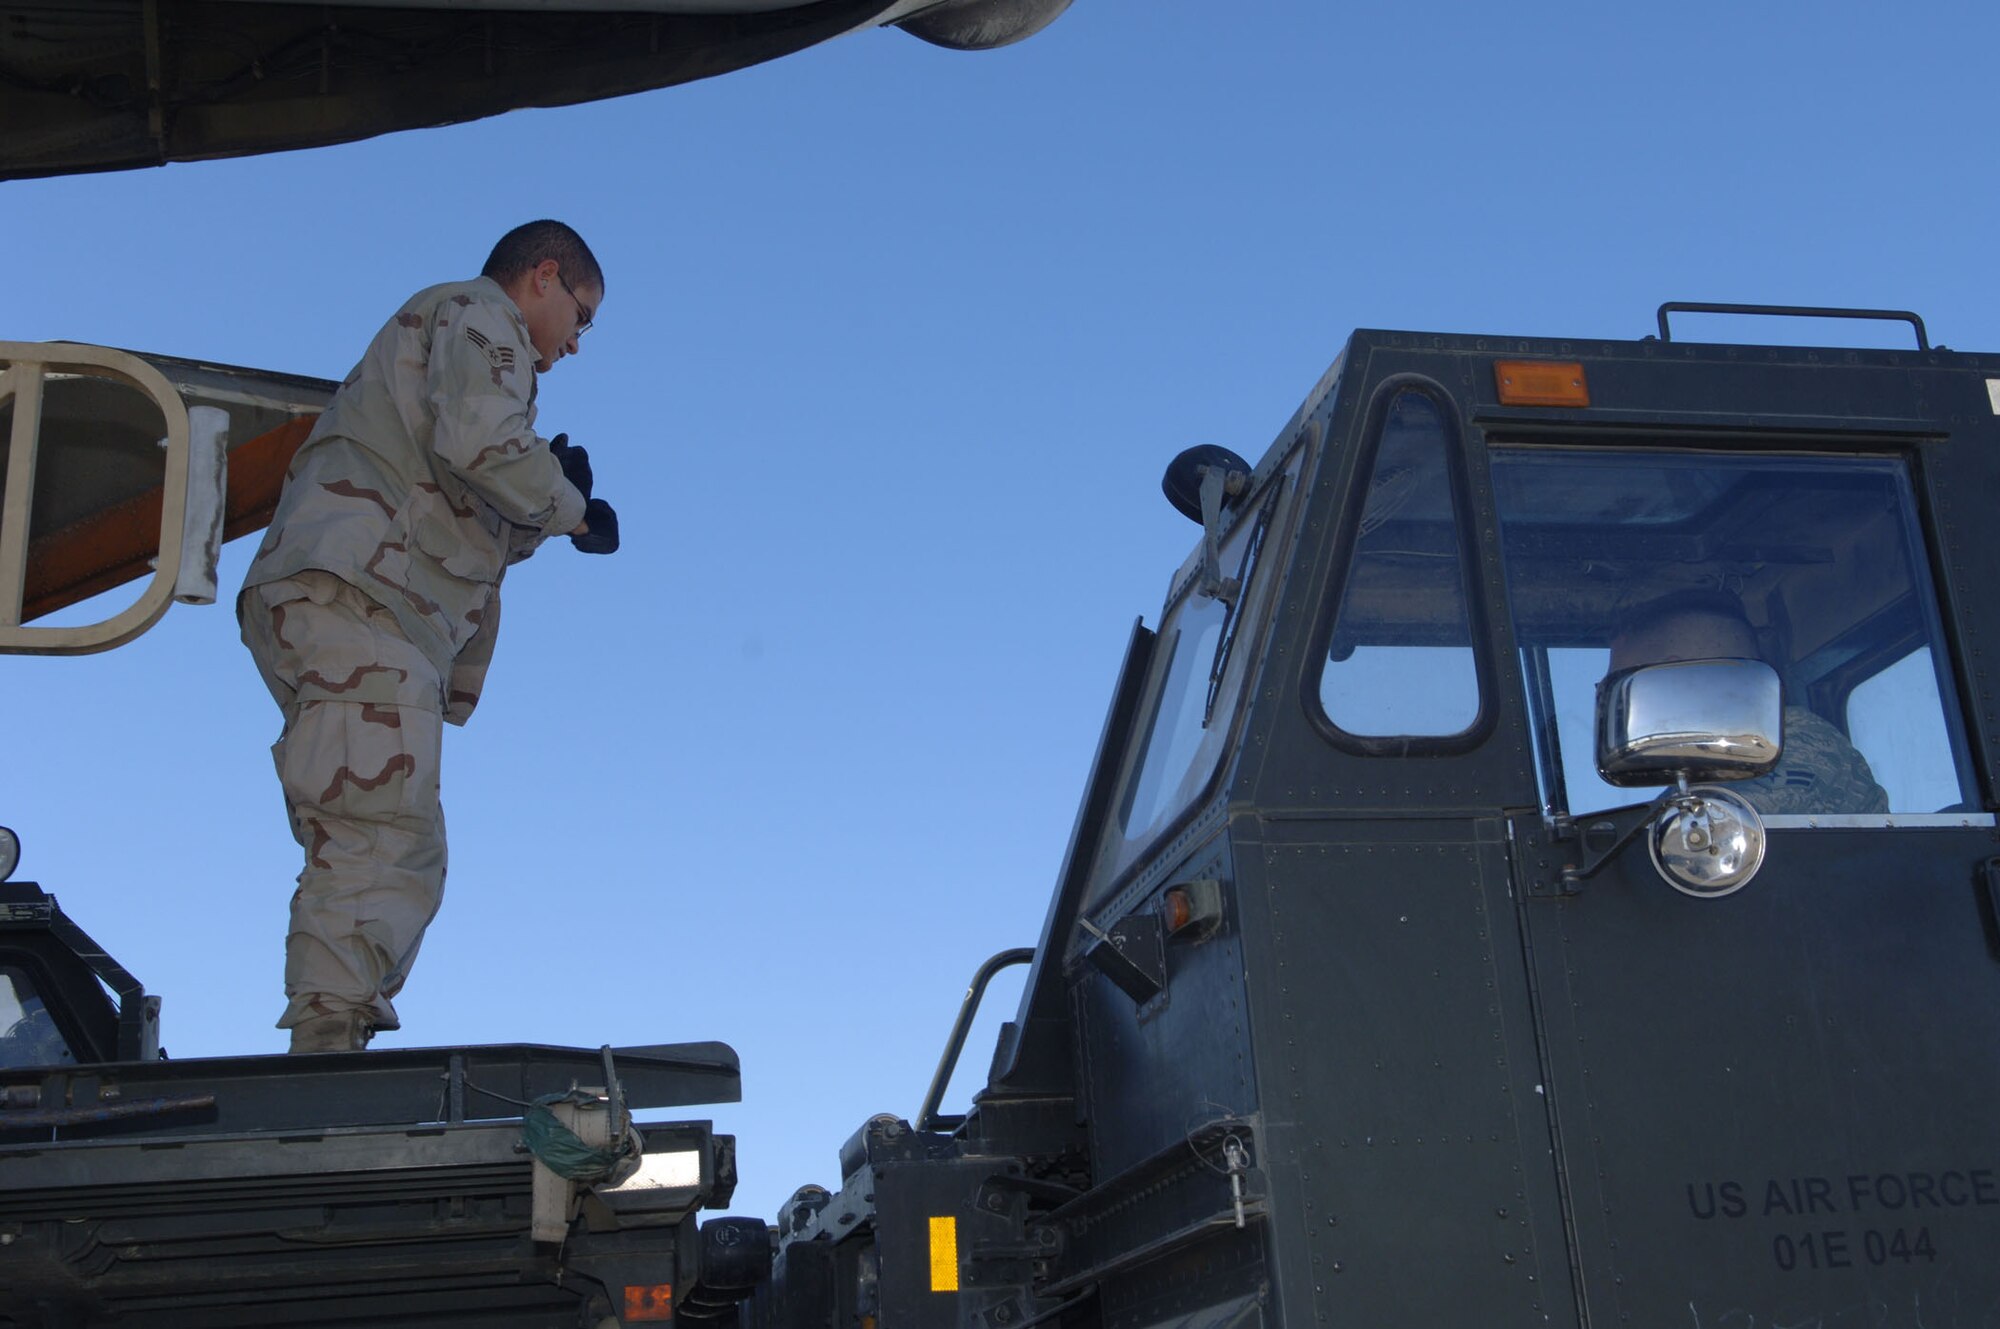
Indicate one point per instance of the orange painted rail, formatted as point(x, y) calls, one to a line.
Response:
point(117, 545)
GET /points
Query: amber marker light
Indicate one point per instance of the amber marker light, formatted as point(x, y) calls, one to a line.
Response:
point(1193, 907)
point(653, 1302)
point(1541, 383)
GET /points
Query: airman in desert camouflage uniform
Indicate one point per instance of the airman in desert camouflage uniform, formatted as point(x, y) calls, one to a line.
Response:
point(373, 604)
point(1819, 769)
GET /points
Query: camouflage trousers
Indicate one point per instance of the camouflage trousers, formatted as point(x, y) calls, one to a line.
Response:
point(358, 761)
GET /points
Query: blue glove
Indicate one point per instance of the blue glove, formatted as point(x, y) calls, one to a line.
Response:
point(575, 463)
point(602, 537)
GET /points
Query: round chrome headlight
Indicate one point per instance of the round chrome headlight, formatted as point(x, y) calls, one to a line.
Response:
point(1708, 841)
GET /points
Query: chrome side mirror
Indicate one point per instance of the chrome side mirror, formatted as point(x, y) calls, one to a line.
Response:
point(1693, 720)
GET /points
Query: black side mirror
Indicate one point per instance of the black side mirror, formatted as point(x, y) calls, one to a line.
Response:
point(1182, 482)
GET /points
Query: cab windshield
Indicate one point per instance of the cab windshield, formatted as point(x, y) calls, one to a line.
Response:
point(1621, 557)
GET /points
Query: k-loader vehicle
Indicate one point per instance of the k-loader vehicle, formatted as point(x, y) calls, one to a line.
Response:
point(1540, 870)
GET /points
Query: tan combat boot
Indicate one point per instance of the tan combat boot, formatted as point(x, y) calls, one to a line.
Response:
point(340, 1031)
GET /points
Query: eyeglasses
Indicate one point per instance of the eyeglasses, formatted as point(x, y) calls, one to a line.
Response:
point(585, 315)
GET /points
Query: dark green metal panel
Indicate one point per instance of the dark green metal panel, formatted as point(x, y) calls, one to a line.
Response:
point(1155, 1071)
point(1779, 1103)
point(1409, 1140)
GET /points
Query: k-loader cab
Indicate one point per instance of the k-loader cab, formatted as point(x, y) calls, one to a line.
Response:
point(1540, 870)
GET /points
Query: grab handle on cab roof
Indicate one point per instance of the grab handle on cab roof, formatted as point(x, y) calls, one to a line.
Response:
point(1793, 311)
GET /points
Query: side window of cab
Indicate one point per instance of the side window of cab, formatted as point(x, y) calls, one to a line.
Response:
point(1200, 665)
point(1400, 674)
point(1620, 557)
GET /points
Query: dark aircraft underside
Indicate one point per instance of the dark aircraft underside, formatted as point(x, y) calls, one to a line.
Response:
point(95, 85)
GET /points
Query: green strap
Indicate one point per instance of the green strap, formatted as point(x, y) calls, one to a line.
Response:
point(560, 1148)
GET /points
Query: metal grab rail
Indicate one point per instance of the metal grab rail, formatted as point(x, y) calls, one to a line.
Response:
point(928, 1116)
point(191, 509)
point(1792, 311)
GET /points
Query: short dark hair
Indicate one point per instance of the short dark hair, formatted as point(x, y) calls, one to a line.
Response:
point(528, 244)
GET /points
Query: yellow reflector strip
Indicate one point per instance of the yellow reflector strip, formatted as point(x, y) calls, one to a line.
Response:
point(1541, 383)
point(944, 1254)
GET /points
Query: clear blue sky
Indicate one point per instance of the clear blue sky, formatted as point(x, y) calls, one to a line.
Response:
point(896, 344)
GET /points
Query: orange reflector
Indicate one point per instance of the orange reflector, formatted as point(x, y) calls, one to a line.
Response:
point(944, 1254)
point(654, 1302)
point(1541, 383)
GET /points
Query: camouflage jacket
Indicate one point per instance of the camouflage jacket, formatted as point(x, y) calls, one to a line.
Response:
point(424, 479)
point(1819, 771)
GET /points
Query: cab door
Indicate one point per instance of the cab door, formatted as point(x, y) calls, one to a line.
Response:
point(1777, 1105)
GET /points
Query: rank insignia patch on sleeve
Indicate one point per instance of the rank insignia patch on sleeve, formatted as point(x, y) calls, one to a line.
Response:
point(500, 357)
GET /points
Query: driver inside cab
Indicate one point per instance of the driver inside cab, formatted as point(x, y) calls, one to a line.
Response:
point(1819, 770)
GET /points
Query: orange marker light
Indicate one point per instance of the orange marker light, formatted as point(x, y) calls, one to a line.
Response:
point(1541, 383)
point(652, 1302)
